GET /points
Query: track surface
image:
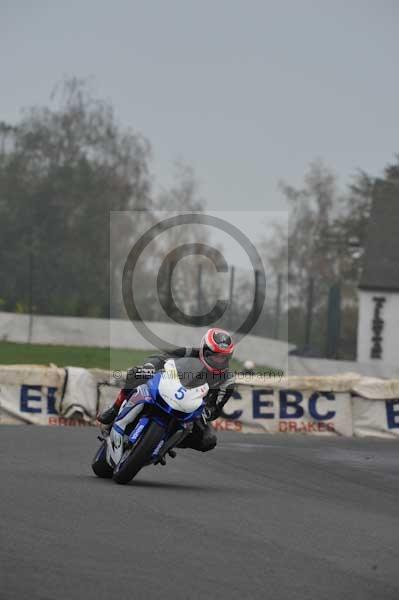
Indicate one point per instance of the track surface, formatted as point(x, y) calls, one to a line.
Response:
point(260, 517)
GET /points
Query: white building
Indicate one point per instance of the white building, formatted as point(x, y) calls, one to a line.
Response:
point(378, 328)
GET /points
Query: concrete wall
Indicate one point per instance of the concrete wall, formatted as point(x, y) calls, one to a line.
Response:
point(297, 365)
point(118, 333)
point(75, 331)
point(389, 314)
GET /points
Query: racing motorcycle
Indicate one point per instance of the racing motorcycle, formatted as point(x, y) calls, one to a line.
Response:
point(157, 418)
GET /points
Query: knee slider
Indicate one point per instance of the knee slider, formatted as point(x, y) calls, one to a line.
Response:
point(209, 442)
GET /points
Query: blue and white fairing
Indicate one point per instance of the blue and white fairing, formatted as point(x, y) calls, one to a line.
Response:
point(168, 387)
point(164, 390)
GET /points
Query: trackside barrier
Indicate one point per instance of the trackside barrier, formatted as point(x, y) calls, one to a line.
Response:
point(39, 395)
point(347, 405)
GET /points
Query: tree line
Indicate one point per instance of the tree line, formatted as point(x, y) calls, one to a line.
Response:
point(322, 248)
point(62, 170)
point(65, 167)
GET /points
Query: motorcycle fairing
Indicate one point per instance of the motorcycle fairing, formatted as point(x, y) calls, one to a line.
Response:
point(127, 414)
point(168, 386)
point(166, 392)
point(137, 431)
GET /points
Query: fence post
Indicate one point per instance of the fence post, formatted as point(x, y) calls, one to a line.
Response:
point(278, 307)
point(31, 268)
point(259, 281)
point(309, 313)
point(333, 321)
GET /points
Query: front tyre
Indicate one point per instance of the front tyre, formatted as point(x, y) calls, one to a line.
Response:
point(99, 465)
point(140, 454)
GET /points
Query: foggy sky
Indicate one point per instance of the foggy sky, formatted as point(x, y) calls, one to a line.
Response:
point(247, 92)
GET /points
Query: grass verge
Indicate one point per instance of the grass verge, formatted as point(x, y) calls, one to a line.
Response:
point(12, 353)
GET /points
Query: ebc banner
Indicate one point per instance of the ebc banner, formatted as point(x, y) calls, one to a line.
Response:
point(287, 411)
point(376, 417)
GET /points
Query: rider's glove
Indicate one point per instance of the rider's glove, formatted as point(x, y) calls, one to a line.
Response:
point(208, 414)
point(145, 371)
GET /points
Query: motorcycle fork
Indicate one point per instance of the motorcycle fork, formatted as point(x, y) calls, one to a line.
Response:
point(175, 439)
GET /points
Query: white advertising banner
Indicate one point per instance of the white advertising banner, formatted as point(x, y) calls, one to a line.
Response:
point(344, 405)
point(35, 394)
point(27, 403)
point(375, 407)
point(375, 417)
point(273, 410)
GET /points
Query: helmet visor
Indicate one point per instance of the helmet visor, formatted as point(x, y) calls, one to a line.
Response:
point(216, 360)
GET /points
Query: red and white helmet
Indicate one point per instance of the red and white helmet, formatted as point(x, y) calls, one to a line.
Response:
point(216, 349)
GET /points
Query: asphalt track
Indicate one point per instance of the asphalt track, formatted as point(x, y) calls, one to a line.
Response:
point(276, 517)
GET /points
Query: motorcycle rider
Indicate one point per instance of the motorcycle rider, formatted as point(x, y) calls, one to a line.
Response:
point(207, 364)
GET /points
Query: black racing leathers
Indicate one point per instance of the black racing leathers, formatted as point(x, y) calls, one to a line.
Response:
point(192, 373)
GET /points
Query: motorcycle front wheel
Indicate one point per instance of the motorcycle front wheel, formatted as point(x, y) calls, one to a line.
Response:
point(138, 456)
point(99, 465)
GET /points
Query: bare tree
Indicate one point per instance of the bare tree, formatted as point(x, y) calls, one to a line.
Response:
point(63, 168)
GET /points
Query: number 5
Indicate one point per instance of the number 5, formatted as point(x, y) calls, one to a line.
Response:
point(180, 393)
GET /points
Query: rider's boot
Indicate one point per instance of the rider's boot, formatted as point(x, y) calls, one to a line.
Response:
point(108, 416)
point(202, 438)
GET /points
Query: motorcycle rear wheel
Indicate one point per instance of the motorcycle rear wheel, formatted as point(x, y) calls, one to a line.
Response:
point(140, 454)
